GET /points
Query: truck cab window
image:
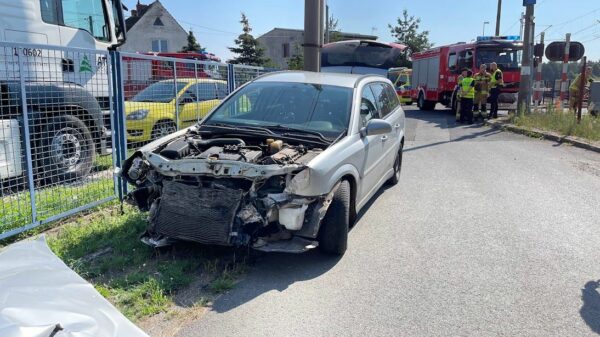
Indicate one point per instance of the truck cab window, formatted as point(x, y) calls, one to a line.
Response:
point(86, 15)
point(452, 62)
point(49, 13)
point(465, 59)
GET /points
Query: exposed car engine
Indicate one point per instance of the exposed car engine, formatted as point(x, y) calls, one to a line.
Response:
point(226, 191)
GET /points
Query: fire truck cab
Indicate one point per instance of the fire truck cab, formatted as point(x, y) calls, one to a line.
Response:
point(435, 71)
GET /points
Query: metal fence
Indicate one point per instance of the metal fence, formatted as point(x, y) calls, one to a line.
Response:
point(68, 116)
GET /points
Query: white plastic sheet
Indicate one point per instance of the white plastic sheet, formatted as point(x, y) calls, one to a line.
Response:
point(41, 297)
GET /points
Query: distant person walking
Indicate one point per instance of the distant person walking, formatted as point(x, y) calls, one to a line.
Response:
point(467, 95)
point(496, 82)
point(462, 75)
point(575, 90)
point(482, 82)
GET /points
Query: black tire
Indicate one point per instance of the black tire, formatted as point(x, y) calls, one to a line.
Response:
point(420, 101)
point(409, 103)
point(333, 234)
point(424, 104)
point(67, 152)
point(454, 104)
point(163, 128)
point(395, 179)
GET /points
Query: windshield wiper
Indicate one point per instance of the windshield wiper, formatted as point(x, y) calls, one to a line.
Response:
point(236, 127)
point(294, 131)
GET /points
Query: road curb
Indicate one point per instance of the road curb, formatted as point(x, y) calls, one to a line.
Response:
point(504, 124)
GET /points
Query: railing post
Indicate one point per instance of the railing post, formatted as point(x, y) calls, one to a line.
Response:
point(196, 84)
point(230, 78)
point(118, 119)
point(27, 136)
point(175, 89)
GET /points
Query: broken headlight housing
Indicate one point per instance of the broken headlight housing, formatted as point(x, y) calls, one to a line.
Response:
point(300, 181)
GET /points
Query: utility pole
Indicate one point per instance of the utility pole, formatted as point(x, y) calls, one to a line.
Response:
point(538, 93)
point(524, 98)
point(313, 34)
point(498, 14)
point(327, 24)
point(522, 24)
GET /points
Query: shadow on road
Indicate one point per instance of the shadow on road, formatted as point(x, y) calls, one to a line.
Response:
point(590, 310)
point(278, 271)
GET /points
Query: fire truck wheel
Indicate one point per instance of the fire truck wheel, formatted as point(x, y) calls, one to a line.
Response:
point(454, 105)
point(424, 104)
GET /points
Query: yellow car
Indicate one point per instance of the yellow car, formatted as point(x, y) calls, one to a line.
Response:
point(166, 106)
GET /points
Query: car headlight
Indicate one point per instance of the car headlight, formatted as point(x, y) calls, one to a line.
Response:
point(137, 115)
point(300, 181)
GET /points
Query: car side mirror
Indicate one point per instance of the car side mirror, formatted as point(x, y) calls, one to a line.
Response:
point(376, 127)
point(186, 100)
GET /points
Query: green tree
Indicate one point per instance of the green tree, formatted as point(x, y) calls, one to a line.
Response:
point(247, 47)
point(192, 44)
point(296, 62)
point(406, 31)
point(332, 27)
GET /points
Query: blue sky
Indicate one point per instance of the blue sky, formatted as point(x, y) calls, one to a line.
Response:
point(215, 23)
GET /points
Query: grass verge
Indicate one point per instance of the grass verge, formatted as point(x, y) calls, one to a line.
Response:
point(15, 208)
point(104, 248)
point(563, 123)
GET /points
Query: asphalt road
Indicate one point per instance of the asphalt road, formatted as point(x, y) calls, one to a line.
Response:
point(487, 234)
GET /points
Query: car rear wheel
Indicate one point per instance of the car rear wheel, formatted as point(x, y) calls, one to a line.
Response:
point(397, 167)
point(333, 234)
point(162, 129)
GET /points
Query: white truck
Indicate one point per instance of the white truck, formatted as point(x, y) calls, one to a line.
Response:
point(66, 89)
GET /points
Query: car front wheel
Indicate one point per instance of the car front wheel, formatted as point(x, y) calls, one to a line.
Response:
point(163, 129)
point(333, 235)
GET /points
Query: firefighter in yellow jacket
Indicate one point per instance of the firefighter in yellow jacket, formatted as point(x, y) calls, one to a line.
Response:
point(482, 82)
point(462, 75)
point(574, 89)
point(467, 94)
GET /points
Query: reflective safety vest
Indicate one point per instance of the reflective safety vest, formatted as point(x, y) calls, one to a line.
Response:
point(574, 87)
point(494, 83)
point(468, 88)
point(482, 82)
point(459, 84)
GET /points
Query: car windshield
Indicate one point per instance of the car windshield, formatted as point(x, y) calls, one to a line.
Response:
point(301, 106)
point(161, 92)
point(507, 59)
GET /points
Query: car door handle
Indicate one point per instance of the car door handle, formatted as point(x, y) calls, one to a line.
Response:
point(384, 138)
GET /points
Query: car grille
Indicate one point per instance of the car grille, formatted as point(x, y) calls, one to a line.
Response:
point(195, 213)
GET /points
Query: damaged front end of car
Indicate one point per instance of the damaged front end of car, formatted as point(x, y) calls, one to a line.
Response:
point(227, 191)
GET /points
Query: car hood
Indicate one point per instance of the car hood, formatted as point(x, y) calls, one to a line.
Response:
point(133, 106)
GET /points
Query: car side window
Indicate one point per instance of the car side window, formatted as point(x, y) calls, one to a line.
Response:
point(368, 106)
point(202, 91)
point(384, 103)
point(393, 101)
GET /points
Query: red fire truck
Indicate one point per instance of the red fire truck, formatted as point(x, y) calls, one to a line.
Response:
point(436, 70)
point(139, 72)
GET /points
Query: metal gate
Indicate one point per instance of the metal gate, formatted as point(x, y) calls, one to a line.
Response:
point(69, 116)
